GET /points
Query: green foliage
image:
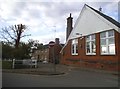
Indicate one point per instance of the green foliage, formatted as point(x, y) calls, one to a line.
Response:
point(10, 52)
point(23, 51)
point(34, 44)
point(7, 51)
point(6, 64)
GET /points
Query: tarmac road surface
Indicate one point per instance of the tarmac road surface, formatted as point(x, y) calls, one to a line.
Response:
point(73, 78)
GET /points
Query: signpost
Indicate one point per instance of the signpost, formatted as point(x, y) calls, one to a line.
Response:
point(52, 45)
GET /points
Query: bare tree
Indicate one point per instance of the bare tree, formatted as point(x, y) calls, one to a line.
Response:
point(13, 34)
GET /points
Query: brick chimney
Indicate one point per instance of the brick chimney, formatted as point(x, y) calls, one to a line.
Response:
point(69, 26)
point(57, 41)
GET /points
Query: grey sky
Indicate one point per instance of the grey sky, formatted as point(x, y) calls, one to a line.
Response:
point(44, 17)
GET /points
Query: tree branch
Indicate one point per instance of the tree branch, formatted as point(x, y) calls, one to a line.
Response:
point(14, 29)
point(7, 32)
point(14, 32)
point(5, 38)
point(25, 35)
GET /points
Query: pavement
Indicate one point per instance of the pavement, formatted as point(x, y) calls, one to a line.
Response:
point(95, 70)
point(42, 69)
point(51, 69)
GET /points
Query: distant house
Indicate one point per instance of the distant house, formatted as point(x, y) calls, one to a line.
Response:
point(50, 54)
point(54, 51)
point(42, 54)
point(93, 42)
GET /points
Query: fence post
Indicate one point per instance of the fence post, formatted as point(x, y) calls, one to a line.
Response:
point(35, 63)
point(13, 64)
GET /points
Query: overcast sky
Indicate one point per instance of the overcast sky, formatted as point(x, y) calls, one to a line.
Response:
point(46, 19)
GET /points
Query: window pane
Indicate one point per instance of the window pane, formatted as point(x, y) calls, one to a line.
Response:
point(76, 48)
point(103, 49)
point(73, 41)
point(76, 41)
point(88, 47)
point(111, 41)
point(72, 48)
point(88, 38)
point(103, 41)
point(110, 33)
point(92, 37)
point(111, 49)
point(103, 35)
point(93, 47)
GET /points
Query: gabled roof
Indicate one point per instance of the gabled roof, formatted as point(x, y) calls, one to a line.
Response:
point(92, 21)
point(106, 17)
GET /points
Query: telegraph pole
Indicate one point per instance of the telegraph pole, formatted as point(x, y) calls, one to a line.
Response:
point(54, 32)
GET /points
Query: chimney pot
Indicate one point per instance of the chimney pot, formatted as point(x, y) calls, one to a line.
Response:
point(57, 40)
point(70, 14)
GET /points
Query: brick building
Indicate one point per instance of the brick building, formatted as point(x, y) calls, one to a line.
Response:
point(42, 54)
point(93, 41)
point(54, 51)
point(49, 53)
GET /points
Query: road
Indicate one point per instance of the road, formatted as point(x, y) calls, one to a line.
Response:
point(0, 78)
point(74, 78)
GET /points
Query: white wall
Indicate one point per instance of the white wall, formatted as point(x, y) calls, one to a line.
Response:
point(90, 22)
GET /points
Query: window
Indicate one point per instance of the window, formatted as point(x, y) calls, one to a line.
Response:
point(107, 42)
point(90, 45)
point(74, 47)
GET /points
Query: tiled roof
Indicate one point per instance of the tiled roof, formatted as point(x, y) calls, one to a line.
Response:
point(106, 17)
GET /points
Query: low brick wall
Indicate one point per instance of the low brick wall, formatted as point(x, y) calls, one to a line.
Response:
point(104, 65)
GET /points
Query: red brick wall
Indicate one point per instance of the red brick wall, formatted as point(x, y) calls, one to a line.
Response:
point(119, 51)
point(118, 48)
point(54, 52)
point(107, 62)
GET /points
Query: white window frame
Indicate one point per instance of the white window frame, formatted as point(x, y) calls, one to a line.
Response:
point(90, 44)
point(107, 43)
point(74, 45)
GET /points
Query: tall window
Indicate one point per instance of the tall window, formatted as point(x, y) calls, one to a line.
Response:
point(91, 45)
point(107, 41)
point(74, 47)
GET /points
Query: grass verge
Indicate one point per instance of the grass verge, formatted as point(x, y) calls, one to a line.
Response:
point(6, 64)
